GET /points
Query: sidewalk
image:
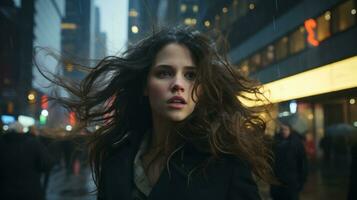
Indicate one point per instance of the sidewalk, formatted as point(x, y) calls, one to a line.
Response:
point(326, 181)
point(70, 187)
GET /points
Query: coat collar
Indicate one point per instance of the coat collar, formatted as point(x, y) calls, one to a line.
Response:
point(118, 169)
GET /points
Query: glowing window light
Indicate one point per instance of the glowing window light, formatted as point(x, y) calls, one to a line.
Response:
point(69, 26)
point(195, 8)
point(133, 13)
point(190, 21)
point(183, 7)
point(327, 15)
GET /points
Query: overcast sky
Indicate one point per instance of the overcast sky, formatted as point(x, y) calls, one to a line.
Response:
point(114, 21)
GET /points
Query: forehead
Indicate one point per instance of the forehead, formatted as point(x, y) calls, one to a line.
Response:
point(174, 54)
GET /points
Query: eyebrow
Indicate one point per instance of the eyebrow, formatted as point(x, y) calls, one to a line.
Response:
point(170, 67)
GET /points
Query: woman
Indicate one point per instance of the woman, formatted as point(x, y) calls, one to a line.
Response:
point(171, 125)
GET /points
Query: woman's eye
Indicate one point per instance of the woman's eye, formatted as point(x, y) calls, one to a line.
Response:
point(190, 75)
point(163, 74)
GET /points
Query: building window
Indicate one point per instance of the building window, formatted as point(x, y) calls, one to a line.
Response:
point(190, 21)
point(268, 55)
point(255, 62)
point(297, 40)
point(183, 8)
point(344, 16)
point(281, 48)
point(195, 8)
point(133, 13)
point(323, 26)
point(244, 68)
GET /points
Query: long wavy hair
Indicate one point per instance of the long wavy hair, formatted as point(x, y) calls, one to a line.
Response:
point(111, 95)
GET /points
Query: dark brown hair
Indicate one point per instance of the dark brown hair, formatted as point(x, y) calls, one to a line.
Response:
point(220, 124)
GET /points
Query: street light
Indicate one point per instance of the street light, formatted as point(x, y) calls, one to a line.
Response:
point(135, 29)
point(44, 112)
point(68, 128)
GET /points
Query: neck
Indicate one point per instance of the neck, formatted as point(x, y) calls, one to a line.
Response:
point(161, 129)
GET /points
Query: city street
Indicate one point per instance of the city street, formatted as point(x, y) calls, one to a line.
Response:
point(70, 187)
point(327, 182)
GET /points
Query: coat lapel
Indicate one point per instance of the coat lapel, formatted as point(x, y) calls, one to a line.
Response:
point(118, 170)
point(185, 180)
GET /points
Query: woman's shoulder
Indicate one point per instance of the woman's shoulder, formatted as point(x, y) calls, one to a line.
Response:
point(243, 185)
point(226, 160)
point(237, 164)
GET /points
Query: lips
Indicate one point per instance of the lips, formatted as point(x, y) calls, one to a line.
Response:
point(176, 102)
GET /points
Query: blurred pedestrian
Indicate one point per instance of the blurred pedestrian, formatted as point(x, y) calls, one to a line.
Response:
point(352, 192)
point(290, 164)
point(326, 145)
point(23, 159)
point(68, 148)
point(173, 127)
point(1, 127)
point(310, 147)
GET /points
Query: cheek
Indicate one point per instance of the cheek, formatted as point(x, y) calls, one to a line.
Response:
point(156, 90)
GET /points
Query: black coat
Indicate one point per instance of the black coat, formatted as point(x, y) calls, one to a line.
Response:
point(228, 178)
point(352, 192)
point(22, 160)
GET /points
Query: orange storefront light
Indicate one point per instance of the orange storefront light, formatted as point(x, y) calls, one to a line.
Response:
point(310, 26)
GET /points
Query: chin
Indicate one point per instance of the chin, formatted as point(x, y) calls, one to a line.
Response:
point(177, 118)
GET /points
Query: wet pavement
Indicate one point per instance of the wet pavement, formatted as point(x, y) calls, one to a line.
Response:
point(326, 181)
point(63, 186)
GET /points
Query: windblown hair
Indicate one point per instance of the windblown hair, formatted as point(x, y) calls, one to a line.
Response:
point(112, 95)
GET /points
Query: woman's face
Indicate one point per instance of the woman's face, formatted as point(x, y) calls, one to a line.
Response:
point(170, 83)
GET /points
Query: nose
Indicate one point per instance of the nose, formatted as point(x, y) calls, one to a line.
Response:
point(178, 85)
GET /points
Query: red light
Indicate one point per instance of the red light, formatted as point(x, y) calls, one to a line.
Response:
point(310, 26)
point(44, 102)
point(72, 118)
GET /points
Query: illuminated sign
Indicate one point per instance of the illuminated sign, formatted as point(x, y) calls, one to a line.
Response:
point(333, 77)
point(44, 102)
point(72, 118)
point(7, 119)
point(26, 121)
point(310, 26)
